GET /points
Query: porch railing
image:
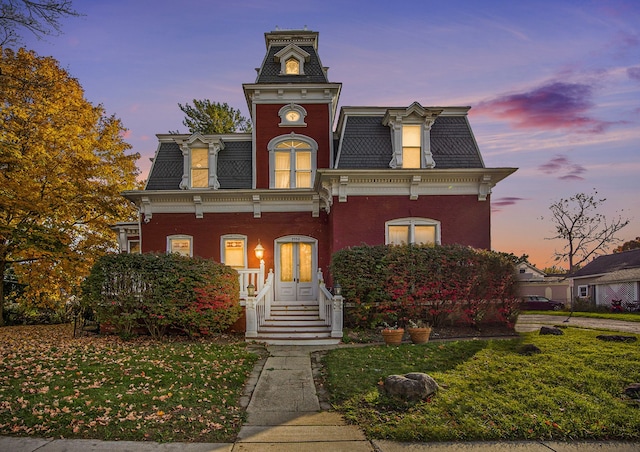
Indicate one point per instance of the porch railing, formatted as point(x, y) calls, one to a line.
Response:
point(331, 307)
point(253, 276)
point(258, 308)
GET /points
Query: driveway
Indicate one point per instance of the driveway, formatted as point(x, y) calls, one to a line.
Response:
point(533, 322)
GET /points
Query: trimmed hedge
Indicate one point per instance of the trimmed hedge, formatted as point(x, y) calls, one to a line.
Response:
point(162, 292)
point(438, 284)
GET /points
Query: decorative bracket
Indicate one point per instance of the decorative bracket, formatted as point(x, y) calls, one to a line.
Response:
point(485, 187)
point(257, 210)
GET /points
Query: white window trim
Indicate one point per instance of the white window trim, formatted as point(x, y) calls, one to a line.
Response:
point(412, 222)
point(586, 291)
point(284, 122)
point(271, 147)
point(198, 141)
point(415, 114)
point(291, 51)
point(180, 237)
point(226, 237)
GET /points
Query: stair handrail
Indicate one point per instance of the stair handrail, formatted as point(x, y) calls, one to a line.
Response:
point(258, 308)
point(330, 307)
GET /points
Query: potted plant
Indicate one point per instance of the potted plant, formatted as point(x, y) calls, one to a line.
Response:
point(419, 331)
point(391, 334)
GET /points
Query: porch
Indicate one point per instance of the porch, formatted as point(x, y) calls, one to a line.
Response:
point(300, 322)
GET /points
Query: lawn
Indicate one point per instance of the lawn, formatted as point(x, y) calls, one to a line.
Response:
point(52, 385)
point(626, 316)
point(573, 389)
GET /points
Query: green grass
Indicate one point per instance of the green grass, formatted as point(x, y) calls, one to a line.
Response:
point(572, 390)
point(52, 385)
point(626, 316)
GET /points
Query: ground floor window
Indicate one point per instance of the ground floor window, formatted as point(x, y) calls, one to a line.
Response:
point(412, 231)
point(133, 246)
point(583, 291)
point(181, 244)
point(233, 250)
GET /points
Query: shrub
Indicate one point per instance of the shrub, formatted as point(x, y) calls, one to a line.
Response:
point(402, 283)
point(162, 291)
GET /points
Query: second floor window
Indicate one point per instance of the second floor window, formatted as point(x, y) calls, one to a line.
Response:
point(199, 168)
point(411, 146)
point(292, 163)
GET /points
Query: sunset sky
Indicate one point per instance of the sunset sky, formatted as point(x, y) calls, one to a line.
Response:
point(554, 85)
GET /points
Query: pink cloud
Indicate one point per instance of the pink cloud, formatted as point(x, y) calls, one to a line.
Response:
point(497, 203)
point(555, 105)
point(562, 164)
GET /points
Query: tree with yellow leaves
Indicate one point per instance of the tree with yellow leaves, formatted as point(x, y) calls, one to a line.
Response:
point(63, 165)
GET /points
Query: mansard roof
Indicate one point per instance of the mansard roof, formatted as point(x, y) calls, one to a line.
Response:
point(366, 141)
point(306, 42)
point(234, 163)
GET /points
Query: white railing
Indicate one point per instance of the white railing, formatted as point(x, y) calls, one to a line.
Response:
point(253, 276)
point(258, 307)
point(330, 307)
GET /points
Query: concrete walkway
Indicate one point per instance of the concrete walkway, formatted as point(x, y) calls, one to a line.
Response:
point(533, 322)
point(285, 414)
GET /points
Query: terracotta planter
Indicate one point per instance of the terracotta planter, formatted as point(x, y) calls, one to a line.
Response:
point(393, 337)
point(419, 335)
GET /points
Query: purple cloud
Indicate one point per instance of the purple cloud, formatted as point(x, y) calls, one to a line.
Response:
point(634, 73)
point(555, 105)
point(506, 201)
point(562, 164)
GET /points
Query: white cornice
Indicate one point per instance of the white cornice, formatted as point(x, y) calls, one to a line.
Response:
point(411, 183)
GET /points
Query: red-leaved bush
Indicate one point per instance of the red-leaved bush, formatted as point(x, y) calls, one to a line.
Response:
point(436, 284)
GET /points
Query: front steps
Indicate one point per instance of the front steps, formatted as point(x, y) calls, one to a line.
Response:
point(295, 323)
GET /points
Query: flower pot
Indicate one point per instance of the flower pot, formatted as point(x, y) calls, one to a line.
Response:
point(393, 337)
point(419, 335)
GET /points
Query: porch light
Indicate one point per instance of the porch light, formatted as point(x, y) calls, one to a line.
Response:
point(259, 250)
point(337, 289)
point(251, 290)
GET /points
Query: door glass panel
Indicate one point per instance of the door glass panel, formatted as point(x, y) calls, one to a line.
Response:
point(286, 262)
point(398, 235)
point(305, 250)
point(425, 234)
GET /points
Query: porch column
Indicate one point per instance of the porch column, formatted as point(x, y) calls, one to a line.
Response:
point(336, 316)
point(252, 318)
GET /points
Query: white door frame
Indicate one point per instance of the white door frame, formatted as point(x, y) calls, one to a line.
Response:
point(296, 291)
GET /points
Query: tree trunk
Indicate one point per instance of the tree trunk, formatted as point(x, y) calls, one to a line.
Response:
point(3, 266)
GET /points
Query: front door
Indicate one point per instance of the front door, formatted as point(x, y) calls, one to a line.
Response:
point(296, 268)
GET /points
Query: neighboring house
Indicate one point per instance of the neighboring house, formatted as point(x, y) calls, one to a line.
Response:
point(298, 190)
point(532, 281)
point(611, 277)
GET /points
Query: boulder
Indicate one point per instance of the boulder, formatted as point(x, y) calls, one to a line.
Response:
point(413, 386)
point(529, 349)
point(551, 330)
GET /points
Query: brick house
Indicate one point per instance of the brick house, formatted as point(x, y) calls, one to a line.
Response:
point(299, 189)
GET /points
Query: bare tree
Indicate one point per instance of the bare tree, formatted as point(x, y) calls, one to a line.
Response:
point(586, 232)
point(42, 18)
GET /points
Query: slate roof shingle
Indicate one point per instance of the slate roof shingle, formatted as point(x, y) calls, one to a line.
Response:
point(313, 71)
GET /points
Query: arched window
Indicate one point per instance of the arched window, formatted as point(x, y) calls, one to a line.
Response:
point(233, 250)
point(412, 231)
point(292, 161)
point(181, 244)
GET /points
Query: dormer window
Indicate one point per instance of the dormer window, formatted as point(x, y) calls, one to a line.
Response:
point(410, 136)
point(292, 59)
point(200, 161)
point(292, 67)
point(411, 145)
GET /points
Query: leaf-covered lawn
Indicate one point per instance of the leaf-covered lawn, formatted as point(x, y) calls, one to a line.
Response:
point(54, 385)
point(573, 389)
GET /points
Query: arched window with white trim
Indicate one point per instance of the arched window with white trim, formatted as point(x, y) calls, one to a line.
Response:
point(414, 230)
point(292, 161)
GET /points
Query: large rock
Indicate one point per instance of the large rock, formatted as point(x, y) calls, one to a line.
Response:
point(412, 386)
point(551, 330)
